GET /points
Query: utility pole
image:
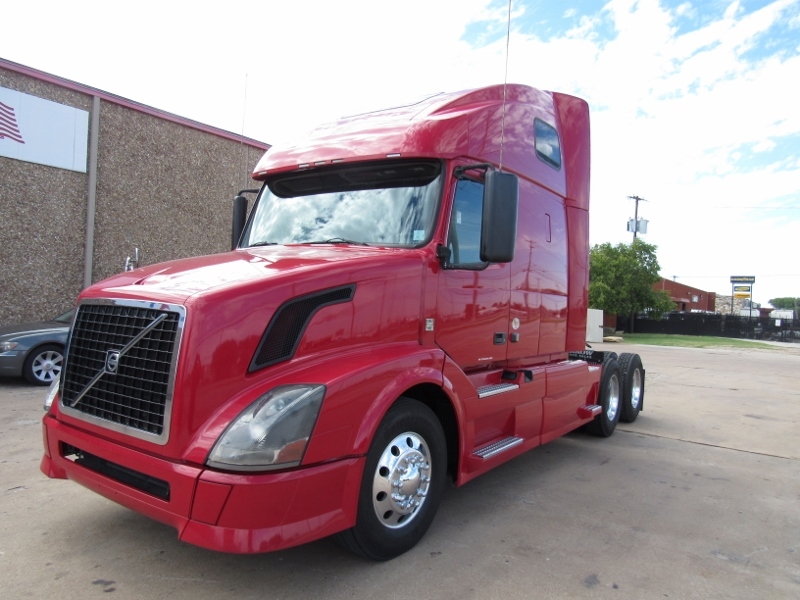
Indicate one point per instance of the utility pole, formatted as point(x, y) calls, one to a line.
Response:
point(635, 226)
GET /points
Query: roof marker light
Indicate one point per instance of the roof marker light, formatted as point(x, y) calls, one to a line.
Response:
point(319, 162)
point(395, 155)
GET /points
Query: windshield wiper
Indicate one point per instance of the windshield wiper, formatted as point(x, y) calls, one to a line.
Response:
point(340, 240)
point(264, 243)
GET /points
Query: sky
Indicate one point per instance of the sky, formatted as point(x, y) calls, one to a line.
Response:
point(695, 106)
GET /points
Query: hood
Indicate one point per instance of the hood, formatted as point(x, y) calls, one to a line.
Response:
point(180, 280)
point(230, 301)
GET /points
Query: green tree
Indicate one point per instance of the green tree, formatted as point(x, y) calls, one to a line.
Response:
point(621, 279)
point(786, 303)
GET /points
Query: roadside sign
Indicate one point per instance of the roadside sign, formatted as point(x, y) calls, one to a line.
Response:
point(742, 292)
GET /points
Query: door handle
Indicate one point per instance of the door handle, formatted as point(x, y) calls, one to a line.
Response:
point(499, 339)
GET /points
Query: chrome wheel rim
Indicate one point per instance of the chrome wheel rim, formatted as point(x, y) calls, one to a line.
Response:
point(401, 481)
point(47, 366)
point(636, 389)
point(613, 398)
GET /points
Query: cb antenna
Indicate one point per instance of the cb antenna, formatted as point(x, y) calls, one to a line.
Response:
point(245, 147)
point(505, 84)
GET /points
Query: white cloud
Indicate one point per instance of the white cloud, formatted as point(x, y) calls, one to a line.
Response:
point(674, 114)
point(692, 120)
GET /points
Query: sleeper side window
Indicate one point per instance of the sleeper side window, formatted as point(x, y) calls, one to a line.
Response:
point(464, 236)
point(548, 146)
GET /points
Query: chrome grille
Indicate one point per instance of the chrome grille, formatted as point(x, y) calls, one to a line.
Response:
point(135, 393)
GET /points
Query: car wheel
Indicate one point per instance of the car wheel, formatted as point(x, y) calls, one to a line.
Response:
point(403, 483)
point(632, 386)
point(609, 397)
point(43, 365)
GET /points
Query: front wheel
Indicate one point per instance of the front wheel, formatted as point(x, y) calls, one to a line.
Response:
point(609, 397)
point(403, 482)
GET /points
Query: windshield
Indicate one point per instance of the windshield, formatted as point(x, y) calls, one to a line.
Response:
point(66, 318)
point(384, 204)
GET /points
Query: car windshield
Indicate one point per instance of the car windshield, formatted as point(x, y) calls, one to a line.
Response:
point(384, 204)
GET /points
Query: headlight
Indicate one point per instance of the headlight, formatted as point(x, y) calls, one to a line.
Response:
point(6, 346)
point(51, 395)
point(272, 432)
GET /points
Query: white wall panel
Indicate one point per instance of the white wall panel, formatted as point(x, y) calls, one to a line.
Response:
point(594, 326)
point(40, 131)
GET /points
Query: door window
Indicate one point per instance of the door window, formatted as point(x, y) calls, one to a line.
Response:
point(464, 237)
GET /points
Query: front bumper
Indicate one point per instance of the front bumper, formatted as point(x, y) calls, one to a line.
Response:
point(228, 512)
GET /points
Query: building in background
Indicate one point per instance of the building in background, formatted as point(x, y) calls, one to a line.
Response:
point(687, 298)
point(743, 307)
point(86, 177)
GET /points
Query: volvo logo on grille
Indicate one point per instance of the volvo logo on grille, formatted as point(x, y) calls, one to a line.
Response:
point(112, 361)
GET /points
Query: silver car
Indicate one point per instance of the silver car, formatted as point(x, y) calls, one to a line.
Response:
point(35, 351)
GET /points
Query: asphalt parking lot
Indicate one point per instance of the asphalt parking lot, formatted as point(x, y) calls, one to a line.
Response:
point(699, 498)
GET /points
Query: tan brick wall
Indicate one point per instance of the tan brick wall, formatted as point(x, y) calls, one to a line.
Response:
point(162, 186)
point(42, 224)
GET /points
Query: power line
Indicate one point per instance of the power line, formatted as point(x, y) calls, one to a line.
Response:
point(760, 207)
point(679, 204)
point(718, 275)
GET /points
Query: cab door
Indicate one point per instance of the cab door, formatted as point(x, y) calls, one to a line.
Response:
point(473, 296)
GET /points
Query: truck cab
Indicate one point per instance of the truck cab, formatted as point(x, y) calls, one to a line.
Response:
point(404, 308)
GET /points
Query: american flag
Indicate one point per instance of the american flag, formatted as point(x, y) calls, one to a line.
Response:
point(8, 124)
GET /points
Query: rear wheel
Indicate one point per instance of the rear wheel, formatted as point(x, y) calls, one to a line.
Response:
point(609, 398)
point(609, 355)
point(403, 483)
point(43, 365)
point(632, 386)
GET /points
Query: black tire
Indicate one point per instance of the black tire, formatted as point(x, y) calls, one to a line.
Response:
point(632, 386)
point(410, 439)
point(609, 397)
point(609, 355)
point(43, 364)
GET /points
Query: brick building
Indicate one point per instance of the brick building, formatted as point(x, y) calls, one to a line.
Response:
point(687, 298)
point(87, 176)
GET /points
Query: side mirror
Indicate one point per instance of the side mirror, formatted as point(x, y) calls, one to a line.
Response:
point(239, 216)
point(499, 227)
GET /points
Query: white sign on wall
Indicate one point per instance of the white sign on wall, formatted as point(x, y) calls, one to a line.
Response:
point(43, 132)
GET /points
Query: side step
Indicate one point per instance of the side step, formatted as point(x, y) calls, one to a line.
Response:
point(495, 448)
point(589, 411)
point(497, 388)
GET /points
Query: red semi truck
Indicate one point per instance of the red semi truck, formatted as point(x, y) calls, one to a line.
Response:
point(404, 307)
